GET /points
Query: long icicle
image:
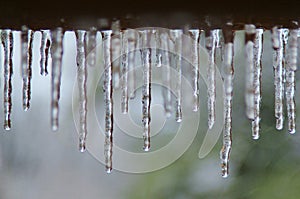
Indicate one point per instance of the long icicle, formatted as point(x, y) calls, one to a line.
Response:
point(228, 74)
point(7, 42)
point(177, 34)
point(56, 52)
point(278, 59)
point(26, 40)
point(91, 43)
point(166, 74)
point(258, 48)
point(291, 68)
point(81, 78)
point(44, 51)
point(195, 71)
point(146, 89)
point(124, 77)
point(108, 93)
point(211, 42)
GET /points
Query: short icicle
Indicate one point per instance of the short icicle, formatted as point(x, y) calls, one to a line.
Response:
point(57, 36)
point(116, 41)
point(108, 93)
point(250, 32)
point(132, 45)
point(258, 48)
point(158, 49)
point(177, 37)
point(81, 79)
point(166, 73)
point(91, 43)
point(278, 66)
point(124, 76)
point(26, 51)
point(44, 51)
point(291, 67)
point(211, 43)
point(195, 70)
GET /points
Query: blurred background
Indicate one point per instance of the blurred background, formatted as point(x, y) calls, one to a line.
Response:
point(37, 163)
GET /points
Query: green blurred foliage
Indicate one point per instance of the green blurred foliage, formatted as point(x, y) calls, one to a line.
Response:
point(266, 168)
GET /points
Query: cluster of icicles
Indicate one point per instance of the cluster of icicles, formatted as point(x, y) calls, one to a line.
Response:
point(284, 62)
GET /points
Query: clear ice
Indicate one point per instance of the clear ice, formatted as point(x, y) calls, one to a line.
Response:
point(56, 53)
point(146, 89)
point(166, 73)
point(7, 42)
point(211, 43)
point(81, 79)
point(177, 38)
point(91, 43)
point(26, 51)
point(108, 93)
point(228, 74)
point(195, 71)
point(124, 72)
point(258, 48)
point(291, 67)
point(278, 66)
point(44, 51)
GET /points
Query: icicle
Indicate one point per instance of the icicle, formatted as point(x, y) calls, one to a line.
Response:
point(116, 52)
point(158, 49)
point(108, 93)
point(258, 48)
point(228, 72)
point(278, 46)
point(124, 100)
point(249, 90)
point(44, 51)
point(132, 43)
point(57, 53)
point(91, 46)
point(146, 89)
point(211, 42)
point(195, 71)
point(291, 68)
point(7, 42)
point(81, 78)
point(27, 39)
point(177, 37)
point(166, 73)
